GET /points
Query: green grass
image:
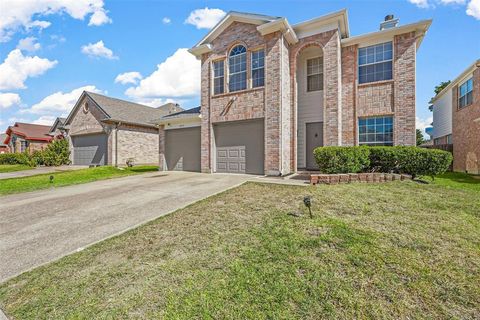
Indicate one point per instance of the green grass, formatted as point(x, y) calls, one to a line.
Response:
point(13, 167)
point(65, 178)
point(458, 180)
point(399, 250)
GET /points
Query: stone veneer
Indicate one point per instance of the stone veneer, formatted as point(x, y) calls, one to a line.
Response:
point(466, 130)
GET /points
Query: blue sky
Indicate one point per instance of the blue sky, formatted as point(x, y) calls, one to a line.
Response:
point(49, 53)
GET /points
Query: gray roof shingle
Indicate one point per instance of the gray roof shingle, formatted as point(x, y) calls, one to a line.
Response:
point(130, 112)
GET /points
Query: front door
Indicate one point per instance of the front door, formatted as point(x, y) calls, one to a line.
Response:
point(314, 137)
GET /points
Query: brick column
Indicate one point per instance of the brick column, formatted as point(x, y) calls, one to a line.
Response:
point(332, 126)
point(349, 80)
point(273, 104)
point(162, 165)
point(205, 111)
point(404, 89)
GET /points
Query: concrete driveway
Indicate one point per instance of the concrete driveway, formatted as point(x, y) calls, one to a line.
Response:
point(38, 227)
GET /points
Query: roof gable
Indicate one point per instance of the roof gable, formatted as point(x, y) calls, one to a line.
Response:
point(29, 131)
point(117, 110)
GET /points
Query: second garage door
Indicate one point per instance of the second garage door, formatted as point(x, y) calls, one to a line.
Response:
point(182, 149)
point(90, 149)
point(239, 147)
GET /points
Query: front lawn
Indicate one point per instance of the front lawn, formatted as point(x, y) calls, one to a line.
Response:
point(65, 178)
point(399, 250)
point(13, 167)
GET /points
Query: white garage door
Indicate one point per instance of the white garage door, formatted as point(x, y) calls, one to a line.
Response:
point(231, 159)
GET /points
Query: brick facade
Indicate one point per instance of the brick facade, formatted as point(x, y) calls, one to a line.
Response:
point(124, 141)
point(344, 100)
point(466, 130)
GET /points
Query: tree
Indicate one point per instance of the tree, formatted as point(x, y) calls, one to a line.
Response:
point(420, 139)
point(437, 90)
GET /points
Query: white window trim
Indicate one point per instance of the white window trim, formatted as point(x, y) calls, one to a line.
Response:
point(234, 73)
point(379, 116)
point(459, 96)
point(370, 45)
point(322, 72)
point(252, 69)
point(213, 77)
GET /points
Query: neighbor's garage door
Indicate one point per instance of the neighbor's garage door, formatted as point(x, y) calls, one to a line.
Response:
point(182, 149)
point(90, 149)
point(239, 147)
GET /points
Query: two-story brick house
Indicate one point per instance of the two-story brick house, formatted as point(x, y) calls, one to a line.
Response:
point(271, 92)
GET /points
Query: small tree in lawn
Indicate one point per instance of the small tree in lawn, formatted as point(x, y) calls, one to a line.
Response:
point(420, 139)
point(57, 153)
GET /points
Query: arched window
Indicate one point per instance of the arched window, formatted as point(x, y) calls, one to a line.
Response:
point(237, 64)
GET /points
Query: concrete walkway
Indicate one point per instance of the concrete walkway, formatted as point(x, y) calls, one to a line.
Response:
point(38, 170)
point(42, 226)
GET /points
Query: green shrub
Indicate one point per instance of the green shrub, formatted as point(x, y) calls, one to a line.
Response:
point(414, 161)
point(15, 158)
point(419, 162)
point(342, 159)
point(385, 159)
point(56, 153)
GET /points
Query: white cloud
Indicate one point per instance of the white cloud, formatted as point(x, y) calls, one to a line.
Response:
point(473, 9)
point(18, 14)
point(447, 2)
point(178, 76)
point(9, 99)
point(128, 77)
point(205, 18)
point(28, 44)
point(98, 50)
point(17, 68)
point(422, 123)
point(45, 120)
point(99, 17)
point(59, 103)
point(166, 20)
point(420, 3)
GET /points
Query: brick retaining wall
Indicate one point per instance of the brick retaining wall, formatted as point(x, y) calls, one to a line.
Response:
point(357, 177)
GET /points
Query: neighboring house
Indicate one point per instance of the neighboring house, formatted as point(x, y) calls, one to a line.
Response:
point(3, 146)
point(271, 92)
point(456, 119)
point(30, 137)
point(108, 131)
point(57, 130)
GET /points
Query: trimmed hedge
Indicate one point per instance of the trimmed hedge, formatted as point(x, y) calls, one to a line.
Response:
point(399, 159)
point(342, 159)
point(55, 154)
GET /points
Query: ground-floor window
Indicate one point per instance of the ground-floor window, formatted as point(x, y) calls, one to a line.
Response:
point(375, 131)
point(23, 146)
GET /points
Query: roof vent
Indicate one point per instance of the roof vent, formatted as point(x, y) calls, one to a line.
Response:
point(389, 22)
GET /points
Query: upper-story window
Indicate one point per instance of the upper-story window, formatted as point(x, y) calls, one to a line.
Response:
point(218, 77)
point(314, 74)
point(465, 93)
point(237, 67)
point(375, 63)
point(258, 68)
